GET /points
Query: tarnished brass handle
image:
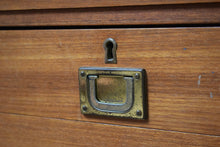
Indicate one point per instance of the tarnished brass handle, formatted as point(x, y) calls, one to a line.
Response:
point(111, 107)
point(113, 91)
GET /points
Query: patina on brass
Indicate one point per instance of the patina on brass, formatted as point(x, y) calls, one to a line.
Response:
point(112, 91)
point(108, 90)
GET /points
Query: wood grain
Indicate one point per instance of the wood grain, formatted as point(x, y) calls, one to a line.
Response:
point(39, 73)
point(32, 131)
point(53, 4)
point(141, 15)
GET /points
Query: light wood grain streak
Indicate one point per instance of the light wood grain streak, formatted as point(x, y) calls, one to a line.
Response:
point(53, 4)
point(33, 131)
point(142, 15)
point(39, 73)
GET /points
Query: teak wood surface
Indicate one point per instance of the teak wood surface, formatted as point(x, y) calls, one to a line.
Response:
point(54, 4)
point(39, 86)
point(38, 131)
point(136, 15)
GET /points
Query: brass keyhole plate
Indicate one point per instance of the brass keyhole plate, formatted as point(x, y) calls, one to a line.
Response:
point(113, 91)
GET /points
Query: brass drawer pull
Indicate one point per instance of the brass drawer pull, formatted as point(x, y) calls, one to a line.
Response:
point(111, 107)
point(112, 91)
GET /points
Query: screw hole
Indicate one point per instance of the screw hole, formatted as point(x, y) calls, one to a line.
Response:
point(84, 108)
point(138, 112)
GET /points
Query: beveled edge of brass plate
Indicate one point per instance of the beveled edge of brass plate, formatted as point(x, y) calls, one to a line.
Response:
point(137, 111)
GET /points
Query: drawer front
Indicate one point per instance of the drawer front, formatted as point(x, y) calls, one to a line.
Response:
point(39, 77)
point(135, 15)
point(54, 4)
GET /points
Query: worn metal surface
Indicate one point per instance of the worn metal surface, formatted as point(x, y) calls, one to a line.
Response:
point(113, 91)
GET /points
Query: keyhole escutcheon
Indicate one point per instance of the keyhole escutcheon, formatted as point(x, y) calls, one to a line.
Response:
point(110, 47)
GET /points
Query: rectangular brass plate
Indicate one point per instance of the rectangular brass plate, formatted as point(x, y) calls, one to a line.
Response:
point(112, 91)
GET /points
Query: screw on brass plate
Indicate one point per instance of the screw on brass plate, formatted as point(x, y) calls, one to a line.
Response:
point(82, 73)
point(138, 112)
point(110, 47)
point(137, 75)
point(84, 108)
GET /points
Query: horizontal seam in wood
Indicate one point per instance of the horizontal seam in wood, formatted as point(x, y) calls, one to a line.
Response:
point(110, 124)
point(111, 27)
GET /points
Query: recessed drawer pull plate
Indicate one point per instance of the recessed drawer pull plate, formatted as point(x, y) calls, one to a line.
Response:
point(112, 91)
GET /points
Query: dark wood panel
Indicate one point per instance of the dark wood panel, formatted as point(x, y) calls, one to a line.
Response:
point(32, 131)
point(39, 73)
point(53, 4)
point(142, 15)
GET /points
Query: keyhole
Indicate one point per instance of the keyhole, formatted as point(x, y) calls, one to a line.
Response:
point(110, 47)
